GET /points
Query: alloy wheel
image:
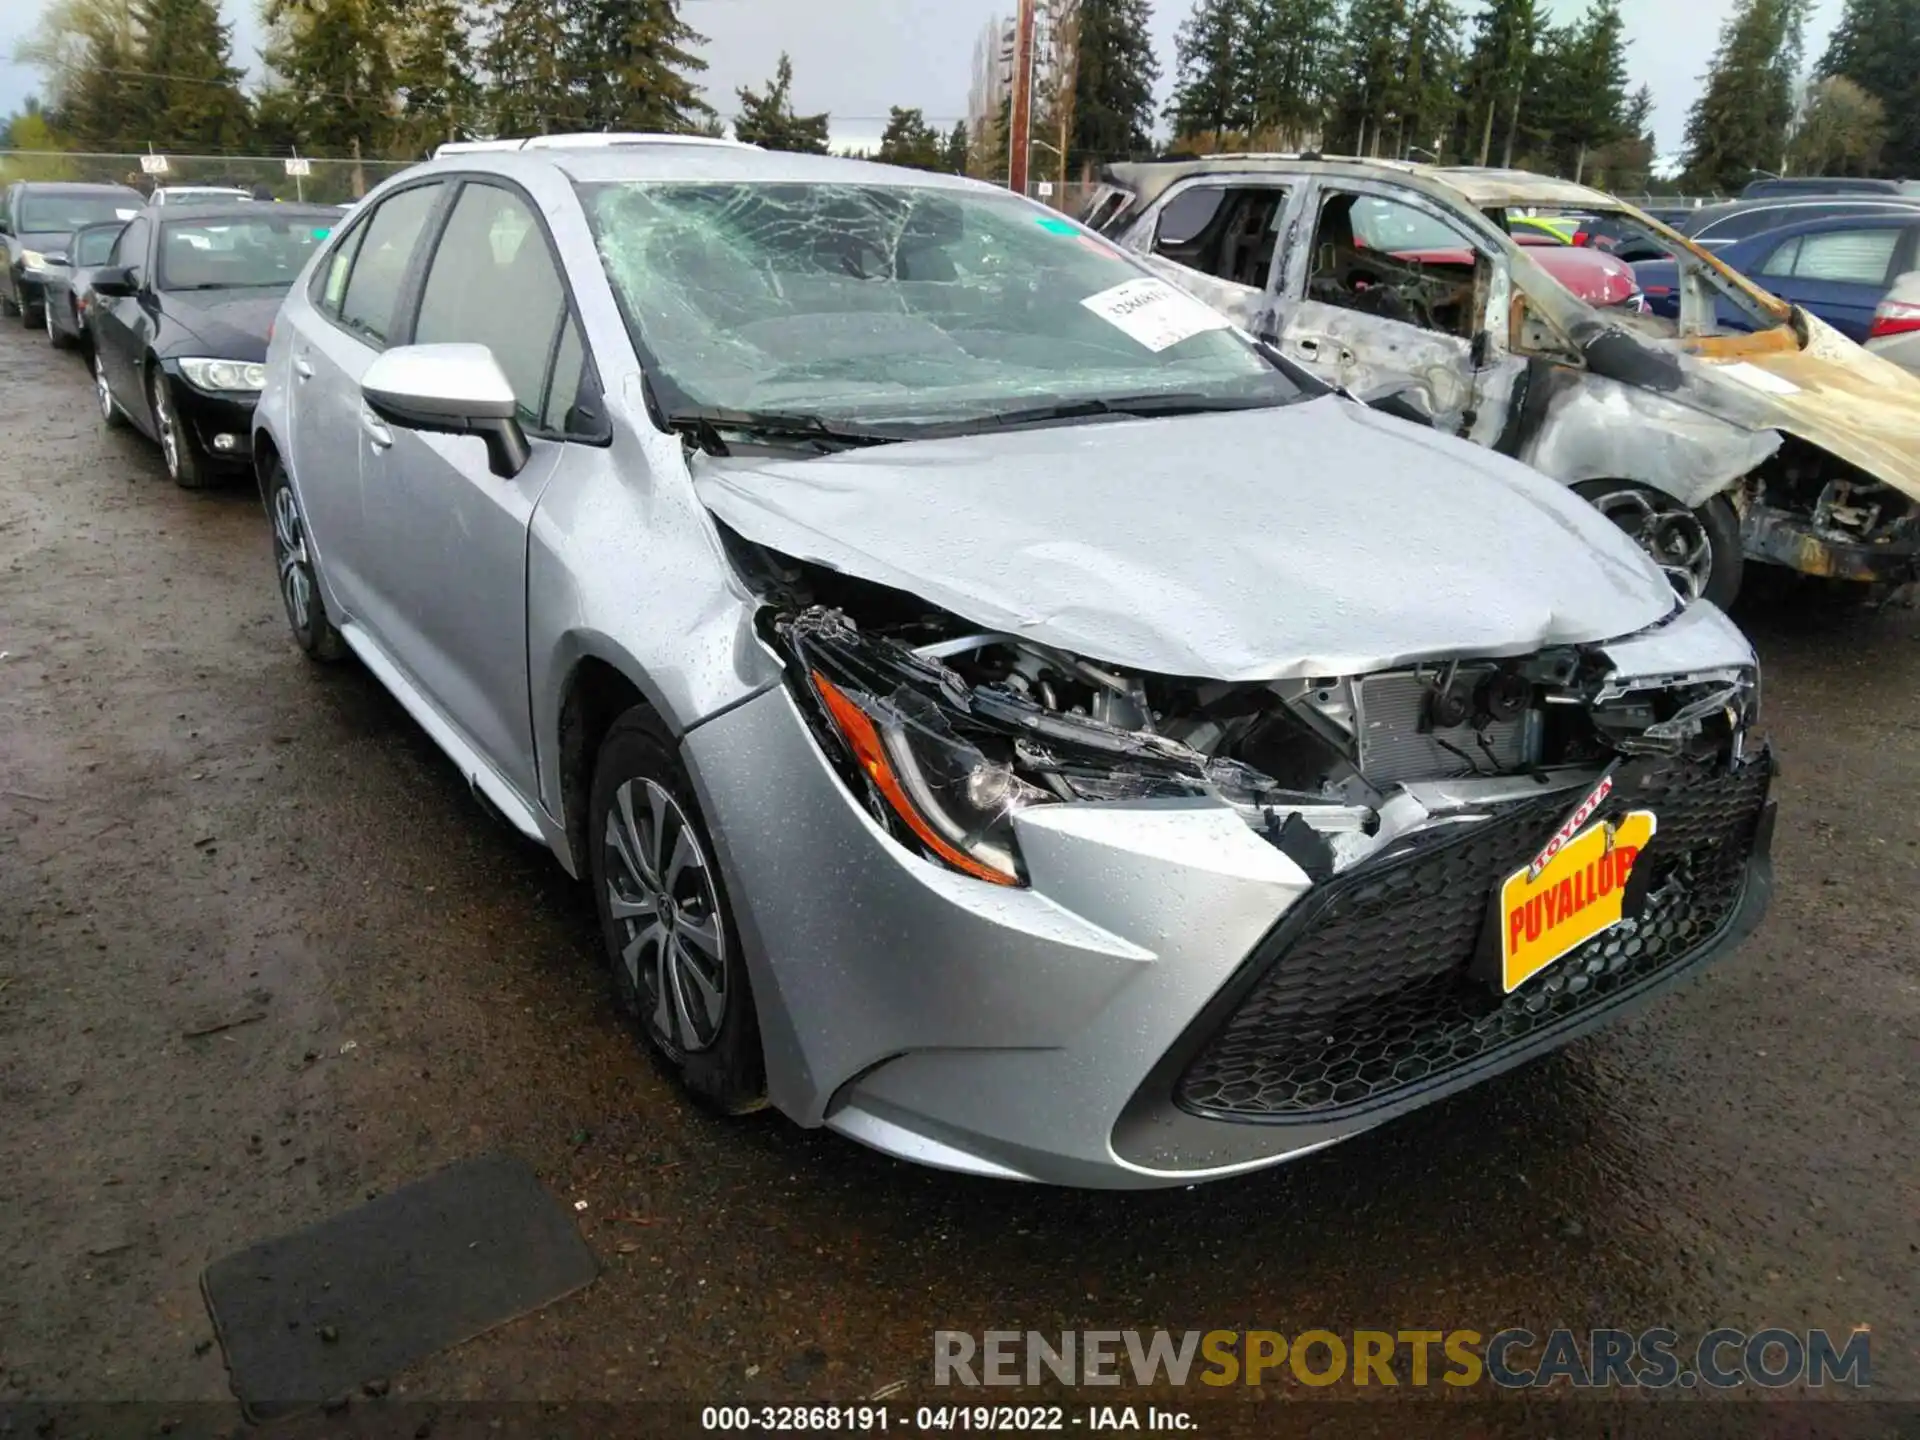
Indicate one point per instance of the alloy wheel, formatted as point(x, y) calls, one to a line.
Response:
point(46, 314)
point(167, 425)
point(666, 909)
point(101, 388)
point(1668, 531)
point(290, 559)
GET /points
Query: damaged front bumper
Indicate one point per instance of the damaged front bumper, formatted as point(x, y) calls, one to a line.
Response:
point(1781, 537)
point(1056, 1032)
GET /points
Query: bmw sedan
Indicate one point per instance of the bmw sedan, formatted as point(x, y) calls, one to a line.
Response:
point(179, 322)
point(985, 724)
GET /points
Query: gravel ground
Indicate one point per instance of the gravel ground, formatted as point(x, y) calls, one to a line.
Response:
point(198, 828)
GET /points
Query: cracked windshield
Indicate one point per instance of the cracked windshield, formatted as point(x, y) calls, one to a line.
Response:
point(897, 306)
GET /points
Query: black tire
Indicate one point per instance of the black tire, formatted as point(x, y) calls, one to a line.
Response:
point(186, 466)
point(9, 305)
point(110, 415)
point(1726, 561)
point(32, 315)
point(299, 583)
point(725, 1069)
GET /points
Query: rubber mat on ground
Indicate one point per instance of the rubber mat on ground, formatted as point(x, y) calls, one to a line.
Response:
point(314, 1315)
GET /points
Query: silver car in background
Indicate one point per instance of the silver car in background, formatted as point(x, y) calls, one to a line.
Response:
point(1003, 713)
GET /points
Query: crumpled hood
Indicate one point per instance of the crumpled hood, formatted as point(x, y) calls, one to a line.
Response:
point(1834, 394)
point(1320, 539)
point(233, 322)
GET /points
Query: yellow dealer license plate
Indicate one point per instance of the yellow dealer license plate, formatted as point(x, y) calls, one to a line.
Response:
point(1575, 890)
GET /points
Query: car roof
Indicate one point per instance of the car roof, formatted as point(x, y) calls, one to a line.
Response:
point(1483, 188)
point(76, 187)
point(673, 161)
point(241, 210)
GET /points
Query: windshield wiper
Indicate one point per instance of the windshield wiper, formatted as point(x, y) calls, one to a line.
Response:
point(1094, 407)
point(706, 427)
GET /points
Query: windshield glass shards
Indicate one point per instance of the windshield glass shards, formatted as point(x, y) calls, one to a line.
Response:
point(912, 309)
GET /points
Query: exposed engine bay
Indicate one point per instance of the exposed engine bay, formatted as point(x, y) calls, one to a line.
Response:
point(952, 729)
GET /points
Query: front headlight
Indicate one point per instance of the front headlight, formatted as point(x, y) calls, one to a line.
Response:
point(32, 260)
point(228, 375)
point(937, 778)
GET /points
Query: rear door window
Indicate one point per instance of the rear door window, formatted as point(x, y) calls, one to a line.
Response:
point(1226, 231)
point(1845, 257)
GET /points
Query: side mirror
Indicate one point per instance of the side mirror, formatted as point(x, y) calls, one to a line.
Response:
point(57, 257)
point(115, 281)
point(450, 390)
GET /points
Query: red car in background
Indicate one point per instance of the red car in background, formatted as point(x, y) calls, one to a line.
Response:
point(1600, 279)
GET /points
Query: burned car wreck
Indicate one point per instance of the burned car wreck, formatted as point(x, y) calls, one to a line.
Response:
point(1746, 429)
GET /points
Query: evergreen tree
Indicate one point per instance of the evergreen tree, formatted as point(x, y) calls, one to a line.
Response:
point(333, 61)
point(1212, 76)
point(1739, 124)
point(190, 89)
point(1295, 52)
point(1594, 75)
point(768, 119)
point(434, 64)
point(909, 140)
point(1368, 100)
point(1114, 72)
point(959, 148)
point(1877, 46)
point(1499, 65)
point(630, 66)
point(525, 54)
point(88, 50)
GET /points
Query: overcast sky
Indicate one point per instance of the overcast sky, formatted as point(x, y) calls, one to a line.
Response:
point(855, 58)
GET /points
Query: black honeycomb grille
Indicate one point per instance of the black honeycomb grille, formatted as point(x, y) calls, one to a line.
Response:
point(1370, 996)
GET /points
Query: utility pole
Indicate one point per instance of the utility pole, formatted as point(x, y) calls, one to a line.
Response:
point(1020, 111)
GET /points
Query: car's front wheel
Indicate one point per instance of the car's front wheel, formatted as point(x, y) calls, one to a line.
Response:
point(677, 963)
point(1699, 551)
point(293, 564)
point(186, 466)
point(55, 336)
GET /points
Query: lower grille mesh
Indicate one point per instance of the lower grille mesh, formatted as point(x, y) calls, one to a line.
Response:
point(1370, 997)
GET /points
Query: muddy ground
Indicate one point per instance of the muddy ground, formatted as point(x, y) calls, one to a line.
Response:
point(198, 827)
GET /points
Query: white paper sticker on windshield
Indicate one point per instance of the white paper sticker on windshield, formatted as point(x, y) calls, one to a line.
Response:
point(1154, 313)
point(1755, 378)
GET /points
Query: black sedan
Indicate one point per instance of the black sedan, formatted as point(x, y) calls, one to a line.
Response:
point(179, 323)
point(37, 216)
point(66, 290)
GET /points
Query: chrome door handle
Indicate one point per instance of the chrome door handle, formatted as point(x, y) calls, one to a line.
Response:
point(378, 435)
point(303, 369)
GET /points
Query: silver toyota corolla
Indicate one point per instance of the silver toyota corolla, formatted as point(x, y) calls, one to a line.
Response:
point(1003, 713)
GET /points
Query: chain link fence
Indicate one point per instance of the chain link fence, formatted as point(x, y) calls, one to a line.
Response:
point(328, 182)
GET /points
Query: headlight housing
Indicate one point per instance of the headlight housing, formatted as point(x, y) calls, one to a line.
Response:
point(32, 260)
point(223, 375)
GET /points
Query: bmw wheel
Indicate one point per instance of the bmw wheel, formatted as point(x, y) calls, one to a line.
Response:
point(1699, 551)
point(186, 467)
point(299, 585)
point(677, 964)
point(103, 393)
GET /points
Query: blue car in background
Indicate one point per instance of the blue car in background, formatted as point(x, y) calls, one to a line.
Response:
point(1837, 268)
